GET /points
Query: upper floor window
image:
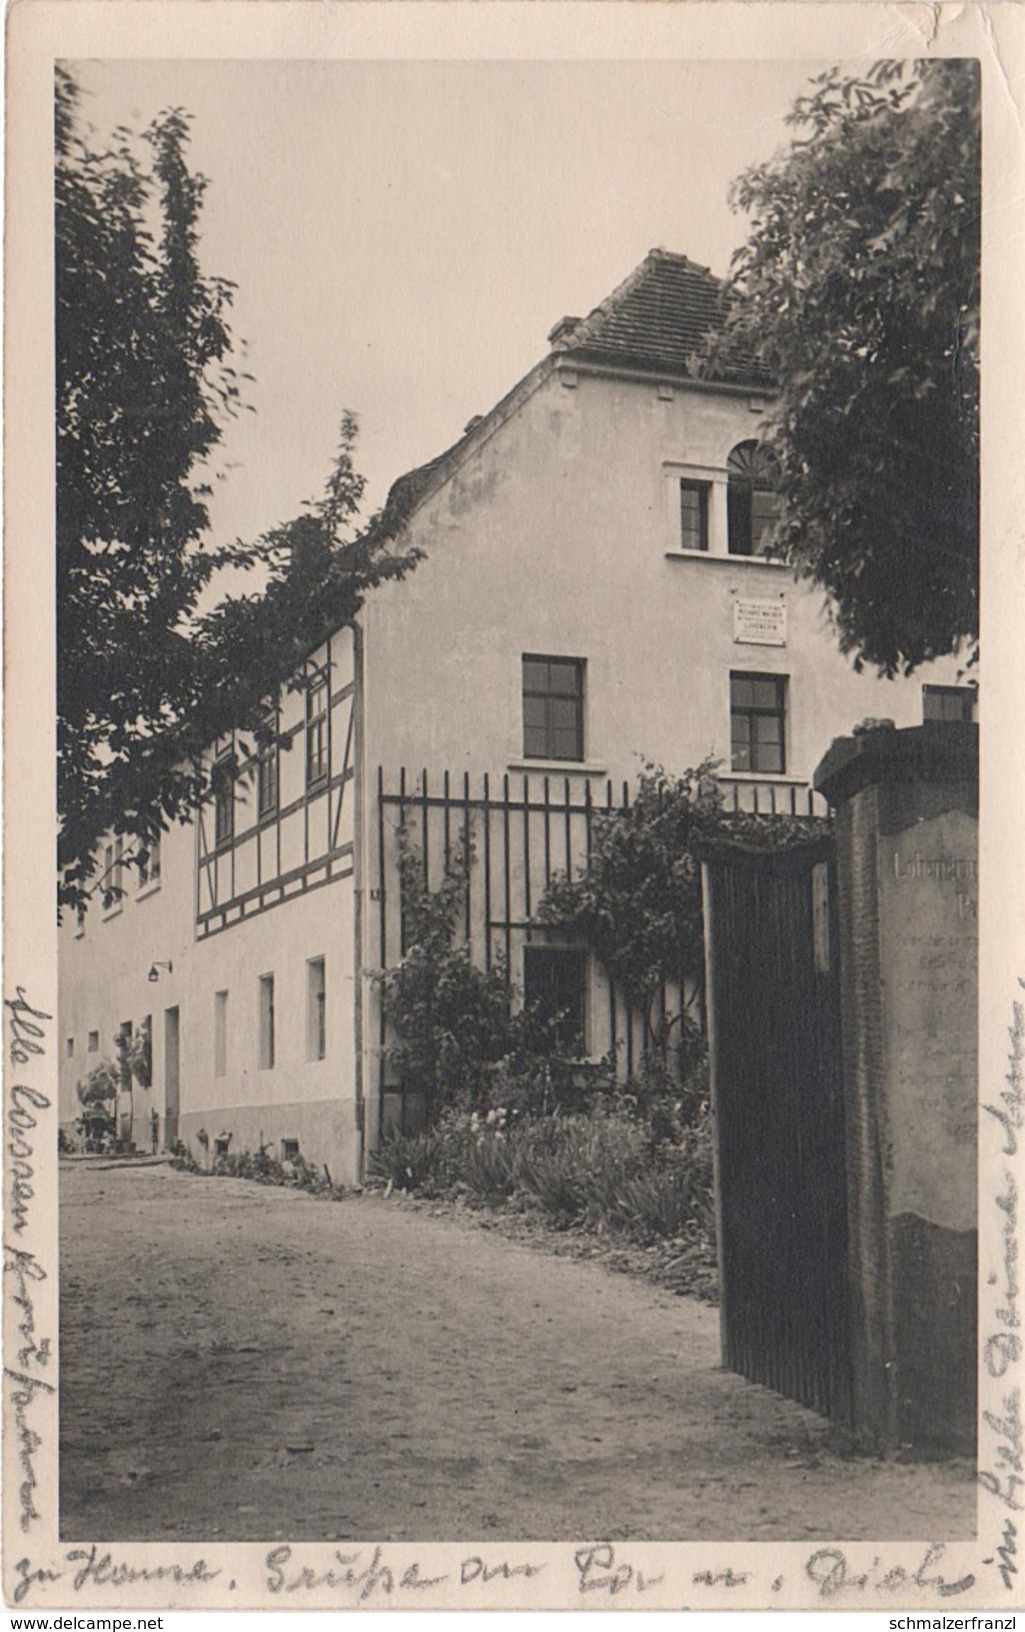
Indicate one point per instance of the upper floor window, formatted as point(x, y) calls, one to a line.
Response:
point(267, 768)
point(948, 703)
point(693, 514)
point(224, 799)
point(752, 504)
point(758, 723)
point(113, 872)
point(149, 861)
point(316, 730)
point(553, 707)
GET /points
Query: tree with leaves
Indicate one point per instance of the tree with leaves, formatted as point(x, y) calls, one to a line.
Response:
point(858, 288)
point(151, 667)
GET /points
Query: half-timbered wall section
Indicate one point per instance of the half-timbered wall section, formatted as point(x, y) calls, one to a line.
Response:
point(280, 820)
point(233, 954)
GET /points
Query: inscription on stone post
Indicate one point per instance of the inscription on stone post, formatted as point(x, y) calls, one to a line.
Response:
point(928, 892)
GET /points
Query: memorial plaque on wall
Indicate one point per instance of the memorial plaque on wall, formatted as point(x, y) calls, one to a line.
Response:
point(928, 894)
point(759, 623)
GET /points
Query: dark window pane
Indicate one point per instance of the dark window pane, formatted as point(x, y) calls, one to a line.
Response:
point(563, 713)
point(741, 728)
point(768, 728)
point(553, 708)
point(765, 693)
point(738, 517)
point(693, 516)
point(554, 986)
point(741, 692)
point(740, 757)
point(768, 758)
point(564, 678)
point(947, 702)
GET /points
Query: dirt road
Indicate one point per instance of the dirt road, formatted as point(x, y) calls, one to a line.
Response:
point(255, 1363)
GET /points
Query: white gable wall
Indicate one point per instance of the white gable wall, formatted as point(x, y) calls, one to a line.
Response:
point(557, 535)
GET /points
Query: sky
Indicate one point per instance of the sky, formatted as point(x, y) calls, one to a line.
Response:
point(403, 235)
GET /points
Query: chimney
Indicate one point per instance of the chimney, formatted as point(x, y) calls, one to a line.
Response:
point(563, 329)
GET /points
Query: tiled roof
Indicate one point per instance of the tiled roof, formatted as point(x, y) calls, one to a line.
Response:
point(658, 321)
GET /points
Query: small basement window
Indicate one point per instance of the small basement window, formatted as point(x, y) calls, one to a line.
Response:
point(289, 1150)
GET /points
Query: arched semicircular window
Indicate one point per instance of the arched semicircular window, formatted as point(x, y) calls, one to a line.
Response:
point(753, 504)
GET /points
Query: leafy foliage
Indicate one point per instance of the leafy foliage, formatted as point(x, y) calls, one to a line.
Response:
point(453, 1019)
point(459, 1032)
point(603, 1171)
point(858, 288)
point(100, 1085)
point(637, 906)
point(148, 675)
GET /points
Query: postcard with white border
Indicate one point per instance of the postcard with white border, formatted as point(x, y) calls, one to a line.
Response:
point(513, 1043)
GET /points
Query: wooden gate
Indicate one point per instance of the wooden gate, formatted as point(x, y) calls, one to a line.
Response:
point(774, 1036)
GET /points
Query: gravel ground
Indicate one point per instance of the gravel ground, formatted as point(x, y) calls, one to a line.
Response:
point(254, 1363)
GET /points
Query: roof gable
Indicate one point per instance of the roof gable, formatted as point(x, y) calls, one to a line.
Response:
point(656, 323)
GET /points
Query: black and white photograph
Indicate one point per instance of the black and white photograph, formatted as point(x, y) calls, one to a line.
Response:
point(512, 1108)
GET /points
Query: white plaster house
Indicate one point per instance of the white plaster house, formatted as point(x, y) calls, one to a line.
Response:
point(592, 596)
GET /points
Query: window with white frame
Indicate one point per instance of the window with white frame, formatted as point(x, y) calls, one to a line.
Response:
point(758, 723)
point(267, 767)
point(694, 499)
point(224, 798)
point(317, 758)
point(149, 860)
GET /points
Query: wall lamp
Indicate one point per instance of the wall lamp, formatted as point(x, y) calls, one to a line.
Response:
point(155, 968)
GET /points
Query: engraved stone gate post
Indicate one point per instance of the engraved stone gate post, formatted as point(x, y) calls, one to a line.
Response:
point(906, 807)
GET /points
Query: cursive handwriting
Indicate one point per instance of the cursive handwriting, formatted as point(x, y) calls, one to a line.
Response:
point(1010, 1117)
point(20, 1122)
point(352, 1575)
point(1010, 1451)
point(829, 1571)
point(102, 1570)
point(598, 1571)
point(475, 1569)
point(26, 1036)
point(1002, 1349)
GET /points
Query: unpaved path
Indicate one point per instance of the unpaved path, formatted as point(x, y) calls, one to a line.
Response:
point(255, 1363)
